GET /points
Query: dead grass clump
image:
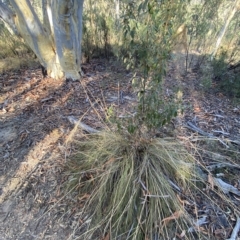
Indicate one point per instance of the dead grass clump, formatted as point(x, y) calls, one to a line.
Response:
point(129, 183)
point(15, 63)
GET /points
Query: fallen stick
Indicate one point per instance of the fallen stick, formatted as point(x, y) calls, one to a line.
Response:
point(198, 223)
point(222, 132)
point(225, 187)
point(46, 99)
point(235, 231)
point(221, 165)
point(200, 131)
point(82, 125)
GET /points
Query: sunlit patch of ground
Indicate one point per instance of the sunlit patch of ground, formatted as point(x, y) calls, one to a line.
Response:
point(29, 164)
point(33, 129)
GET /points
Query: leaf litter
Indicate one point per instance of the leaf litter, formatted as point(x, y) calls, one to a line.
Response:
point(34, 129)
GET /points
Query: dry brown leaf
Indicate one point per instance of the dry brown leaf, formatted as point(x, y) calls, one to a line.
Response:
point(111, 160)
point(58, 192)
point(182, 235)
point(197, 109)
point(85, 196)
point(175, 215)
point(202, 229)
point(183, 202)
point(52, 200)
point(211, 181)
point(107, 237)
point(220, 232)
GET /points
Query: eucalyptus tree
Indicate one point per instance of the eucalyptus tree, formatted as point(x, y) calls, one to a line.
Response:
point(233, 9)
point(56, 40)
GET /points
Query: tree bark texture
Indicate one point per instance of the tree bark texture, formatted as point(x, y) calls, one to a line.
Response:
point(56, 42)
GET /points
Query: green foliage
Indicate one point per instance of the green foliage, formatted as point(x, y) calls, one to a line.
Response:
point(11, 45)
point(13, 50)
point(228, 79)
point(125, 173)
point(206, 82)
point(147, 40)
point(98, 29)
point(206, 79)
point(219, 64)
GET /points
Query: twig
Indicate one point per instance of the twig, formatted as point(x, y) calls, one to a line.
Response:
point(235, 230)
point(144, 187)
point(217, 115)
point(82, 125)
point(198, 223)
point(174, 185)
point(222, 132)
point(47, 99)
point(128, 116)
point(157, 196)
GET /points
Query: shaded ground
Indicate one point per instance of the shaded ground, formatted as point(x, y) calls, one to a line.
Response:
point(34, 131)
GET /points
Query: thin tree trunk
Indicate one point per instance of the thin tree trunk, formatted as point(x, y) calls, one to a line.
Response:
point(224, 28)
point(117, 9)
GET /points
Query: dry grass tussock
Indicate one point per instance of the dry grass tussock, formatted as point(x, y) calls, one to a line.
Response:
point(131, 185)
point(16, 63)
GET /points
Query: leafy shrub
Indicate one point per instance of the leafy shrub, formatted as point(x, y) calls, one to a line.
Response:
point(227, 76)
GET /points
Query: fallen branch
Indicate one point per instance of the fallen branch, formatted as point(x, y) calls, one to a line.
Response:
point(200, 131)
point(225, 187)
point(82, 125)
point(233, 141)
point(192, 127)
point(235, 231)
point(221, 165)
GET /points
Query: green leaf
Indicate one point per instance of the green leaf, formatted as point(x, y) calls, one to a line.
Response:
point(132, 33)
point(131, 129)
point(140, 7)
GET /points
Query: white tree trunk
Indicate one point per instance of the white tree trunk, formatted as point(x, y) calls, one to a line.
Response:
point(56, 43)
point(117, 9)
point(224, 28)
point(67, 25)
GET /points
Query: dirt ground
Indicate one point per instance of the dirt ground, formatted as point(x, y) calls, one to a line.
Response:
point(35, 145)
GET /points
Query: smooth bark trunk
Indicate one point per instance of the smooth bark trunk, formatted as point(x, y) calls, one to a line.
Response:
point(225, 27)
point(57, 42)
point(67, 24)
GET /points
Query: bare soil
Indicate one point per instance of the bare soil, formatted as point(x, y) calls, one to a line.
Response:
point(35, 144)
